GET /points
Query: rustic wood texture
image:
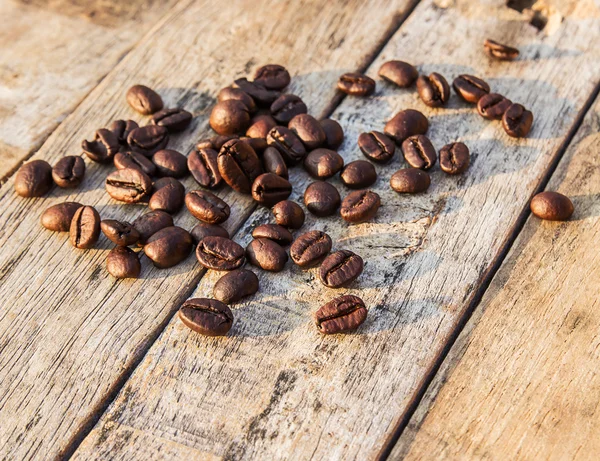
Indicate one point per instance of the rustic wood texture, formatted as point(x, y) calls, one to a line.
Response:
point(69, 333)
point(275, 388)
point(522, 381)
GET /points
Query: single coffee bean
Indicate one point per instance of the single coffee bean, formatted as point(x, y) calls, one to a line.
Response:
point(121, 129)
point(168, 246)
point(356, 84)
point(323, 163)
point(433, 89)
point(498, 51)
point(517, 121)
point(334, 134)
point(235, 285)
point(322, 199)
point(148, 139)
point(261, 95)
point(174, 120)
point(360, 206)
point(150, 223)
point(260, 125)
point(266, 254)
point(344, 313)
point(34, 179)
point(376, 146)
point(258, 144)
point(269, 189)
point(58, 217)
point(358, 174)
point(216, 142)
point(286, 107)
point(204, 167)
point(219, 253)
point(419, 152)
point(68, 171)
point(144, 100)
point(309, 130)
point(208, 317)
point(168, 195)
point(273, 162)
point(85, 227)
point(170, 163)
point(235, 93)
point(272, 76)
point(309, 248)
point(287, 143)
point(406, 123)
point(202, 230)
point(123, 263)
point(289, 214)
point(410, 181)
point(239, 165)
point(128, 185)
point(135, 160)
point(121, 233)
point(340, 269)
point(273, 232)
point(470, 88)
point(454, 158)
point(552, 206)
point(103, 148)
point(399, 72)
point(492, 106)
point(230, 117)
point(207, 207)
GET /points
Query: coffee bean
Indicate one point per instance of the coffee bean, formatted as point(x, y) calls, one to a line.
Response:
point(310, 247)
point(208, 317)
point(260, 125)
point(272, 76)
point(235, 285)
point(376, 146)
point(128, 185)
point(517, 121)
point(121, 129)
point(289, 214)
point(498, 51)
point(286, 107)
point(470, 88)
point(202, 230)
point(273, 162)
point(230, 117)
point(358, 174)
point(170, 163)
point(33, 179)
point(454, 158)
point(120, 233)
point(144, 100)
point(356, 84)
point(419, 152)
point(492, 106)
point(433, 89)
point(103, 148)
point(321, 198)
point(258, 144)
point(174, 120)
point(410, 181)
point(334, 134)
point(148, 139)
point(207, 207)
point(309, 130)
point(168, 246)
point(123, 263)
point(229, 93)
point(85, 227)
point(68, 171)
point(261, 95)
point(273, 232)
point(239, 165)
point(323, 163)
point(399, 72)
point(287, 143)
point(360, 206)
point(268, 189)
point(266, 254)
point(58, 217)
point(552, 206)
point(168, 195)
point(204, 168)
point(150, 223)
point(215, 143)
point(406, 123)
point(340, 269)
point(135, 160)
point(344, 313)
point(219, 253)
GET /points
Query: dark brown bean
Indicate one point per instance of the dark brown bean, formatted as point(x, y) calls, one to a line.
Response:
point(406, 123)
point(433, 89)
point(230, 117)
point(174, 120)
point(399, 72)
point(498, 51)
point(419, 152)
point(203, 229)
point(334, 134)
point(216, 142)
point(204, 167)
point(135, 160)
point(58, 217)
point(260, 125)
point(492, 106)
point(68, 171)
point(323, 163)
point(239, 165)
point(103, 148)
point(517, 121)
point(310, 247)
point(268, 189)
point(273, 162)
point(150, 223)
point(219, 253)
point(120, 233)
point(358, 174)
point(309, 130)
point(273, 232)
point(272, 76)
point(258, 144)
point(170, 163)
point(235, 93)
point(128, 185)
point(340, 269)
point(168, 246)
point(322, 199)
point(85, 227)
point(208, 317)
point(287, 143)
point(207, 207)
point(410, 181)
point(470, 88)
point(33, 179)
point(235, 285)
point(552, 206)
point(168, 195)
point(266, 254)
point(123, 263)
point(342, 314)
point(376, 146)
point(121, 129)
point(289, 214)
point(360, 206)
point(286, 107)
point(356, 84)
point(454, 158)
point(144, 100)
point(148, 139)
point(261, 95)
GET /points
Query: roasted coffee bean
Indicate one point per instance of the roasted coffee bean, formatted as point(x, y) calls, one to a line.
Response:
point(202, 230)
point(230, 117)
point(122, 128)
point(344, 313)
point(258, 144)
point(323, 163)
point(208, 317)
point(207, 207)
point(552, 206)
point(273, 232)
point(103, 148)
point(85, 227)
point(170, 163)
point(273, 162)
point(216, 142)
point(492, 106)
point(406, 123)
point(399, 72)
point(287, 143)
point(135, 160)
point(309, 130)
point(33, 179)
point(204, 168)
point(269, 189)
point(168, 195)
point(168, 246)
point(360, 206)
point(58, 217)
point(322, 199)
point(334, 134)
point(266, 254)
point(235, 285)
point(433, 89)
point(150, 223)
point(121, 233)
point(123, 263)
point(68, 171)
point(517, 121)
point(340, 269)
point(410, 181)
point(498, 51)
point(376, 146)
point(235, 93)
point(239, 165)
point(454, 158)
point(286, 107)
point(128, 185)
point(174, 120)
point(310, 247)
point(356, 84)
point(219, 253)
point(470, 88)
point(144, 100)
point(358, 174)
point(260, 126)
point(261, 95)
point(419, 152)
point(148, 139)
point(272, 76)
point(289, 214)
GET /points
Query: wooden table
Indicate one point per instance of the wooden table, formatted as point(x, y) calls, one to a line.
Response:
point(482, 339)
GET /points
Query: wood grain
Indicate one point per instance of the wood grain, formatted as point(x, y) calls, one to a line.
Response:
point(69, 333)
point(275, 388)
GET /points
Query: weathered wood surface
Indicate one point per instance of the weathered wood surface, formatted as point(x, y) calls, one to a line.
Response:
point(52, 55)
point(275, 388)
point(69, 333)
point(522, 380)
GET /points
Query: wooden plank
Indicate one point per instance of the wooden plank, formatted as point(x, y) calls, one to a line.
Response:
point(522, 382)
point(275, 388)
point(69, 333)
